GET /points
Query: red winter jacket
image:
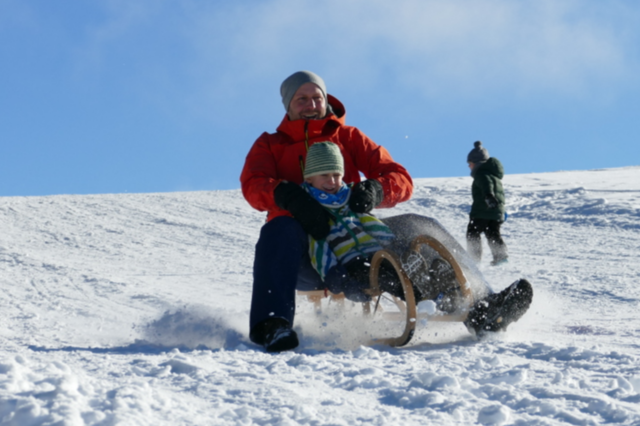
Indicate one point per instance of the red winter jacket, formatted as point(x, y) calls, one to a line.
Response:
point(280, 156)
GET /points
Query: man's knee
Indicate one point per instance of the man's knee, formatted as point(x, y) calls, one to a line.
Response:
point(282, 226)
point(282, 233)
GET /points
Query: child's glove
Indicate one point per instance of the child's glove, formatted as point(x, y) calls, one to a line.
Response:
point(365, 196)
point(491, 201)
point(304, 208)
point(358, 269)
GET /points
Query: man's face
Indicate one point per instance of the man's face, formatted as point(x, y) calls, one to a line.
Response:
point(327, 182)
point(308, 103)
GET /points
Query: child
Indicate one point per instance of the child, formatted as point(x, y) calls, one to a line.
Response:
point(354, 237)
point(487, 210)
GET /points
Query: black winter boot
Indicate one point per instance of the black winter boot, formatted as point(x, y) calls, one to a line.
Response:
point(496, 311)
point(277, 335)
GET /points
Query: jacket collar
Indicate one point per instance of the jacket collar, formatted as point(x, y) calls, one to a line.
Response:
point(296, 129)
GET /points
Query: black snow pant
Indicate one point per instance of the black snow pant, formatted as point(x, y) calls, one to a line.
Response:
point(282, 266)
point(491, 229)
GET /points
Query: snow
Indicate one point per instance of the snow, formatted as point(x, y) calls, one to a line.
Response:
point(132, 309)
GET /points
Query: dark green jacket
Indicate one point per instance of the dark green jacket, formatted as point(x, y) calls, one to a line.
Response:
point(487, 179)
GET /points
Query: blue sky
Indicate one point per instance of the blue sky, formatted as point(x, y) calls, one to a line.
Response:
point(155, 96)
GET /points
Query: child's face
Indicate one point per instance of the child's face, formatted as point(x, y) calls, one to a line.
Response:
point(327, 182)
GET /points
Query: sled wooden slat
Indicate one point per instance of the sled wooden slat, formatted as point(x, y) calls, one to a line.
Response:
point(409, 309)
point(316, 296)
point(446, 255)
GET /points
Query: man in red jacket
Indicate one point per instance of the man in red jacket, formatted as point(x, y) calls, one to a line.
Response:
point(271, 179)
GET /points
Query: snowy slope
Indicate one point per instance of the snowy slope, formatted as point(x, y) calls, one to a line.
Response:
point(132, 309)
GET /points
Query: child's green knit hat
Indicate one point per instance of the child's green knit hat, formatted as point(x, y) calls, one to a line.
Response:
point(323, 157)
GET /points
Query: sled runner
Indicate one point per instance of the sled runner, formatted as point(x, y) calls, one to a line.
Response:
point(408, 306)
point(420, 244)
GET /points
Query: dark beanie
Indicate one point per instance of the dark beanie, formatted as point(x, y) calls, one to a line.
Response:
point(292, 83)
point(478, 154)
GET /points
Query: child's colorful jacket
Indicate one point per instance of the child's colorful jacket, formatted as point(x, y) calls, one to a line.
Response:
point(352, 234)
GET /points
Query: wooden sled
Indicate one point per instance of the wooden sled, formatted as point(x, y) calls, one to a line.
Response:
point(406, 309)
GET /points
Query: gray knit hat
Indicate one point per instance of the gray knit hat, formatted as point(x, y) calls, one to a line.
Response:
point(292, 83)
point(478, 154)
point(323, 157)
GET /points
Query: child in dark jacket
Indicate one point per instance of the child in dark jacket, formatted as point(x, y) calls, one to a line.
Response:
point(488, 208)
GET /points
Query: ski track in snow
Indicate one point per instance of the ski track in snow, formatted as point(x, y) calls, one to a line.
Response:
point(132, 309)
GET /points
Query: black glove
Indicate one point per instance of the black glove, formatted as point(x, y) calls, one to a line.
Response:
point(365, 196)
point(304, 208)
point(491, 201)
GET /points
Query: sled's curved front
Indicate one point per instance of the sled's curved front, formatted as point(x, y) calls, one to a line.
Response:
point(409, 307)
point(407, 227)
point(440, 248)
